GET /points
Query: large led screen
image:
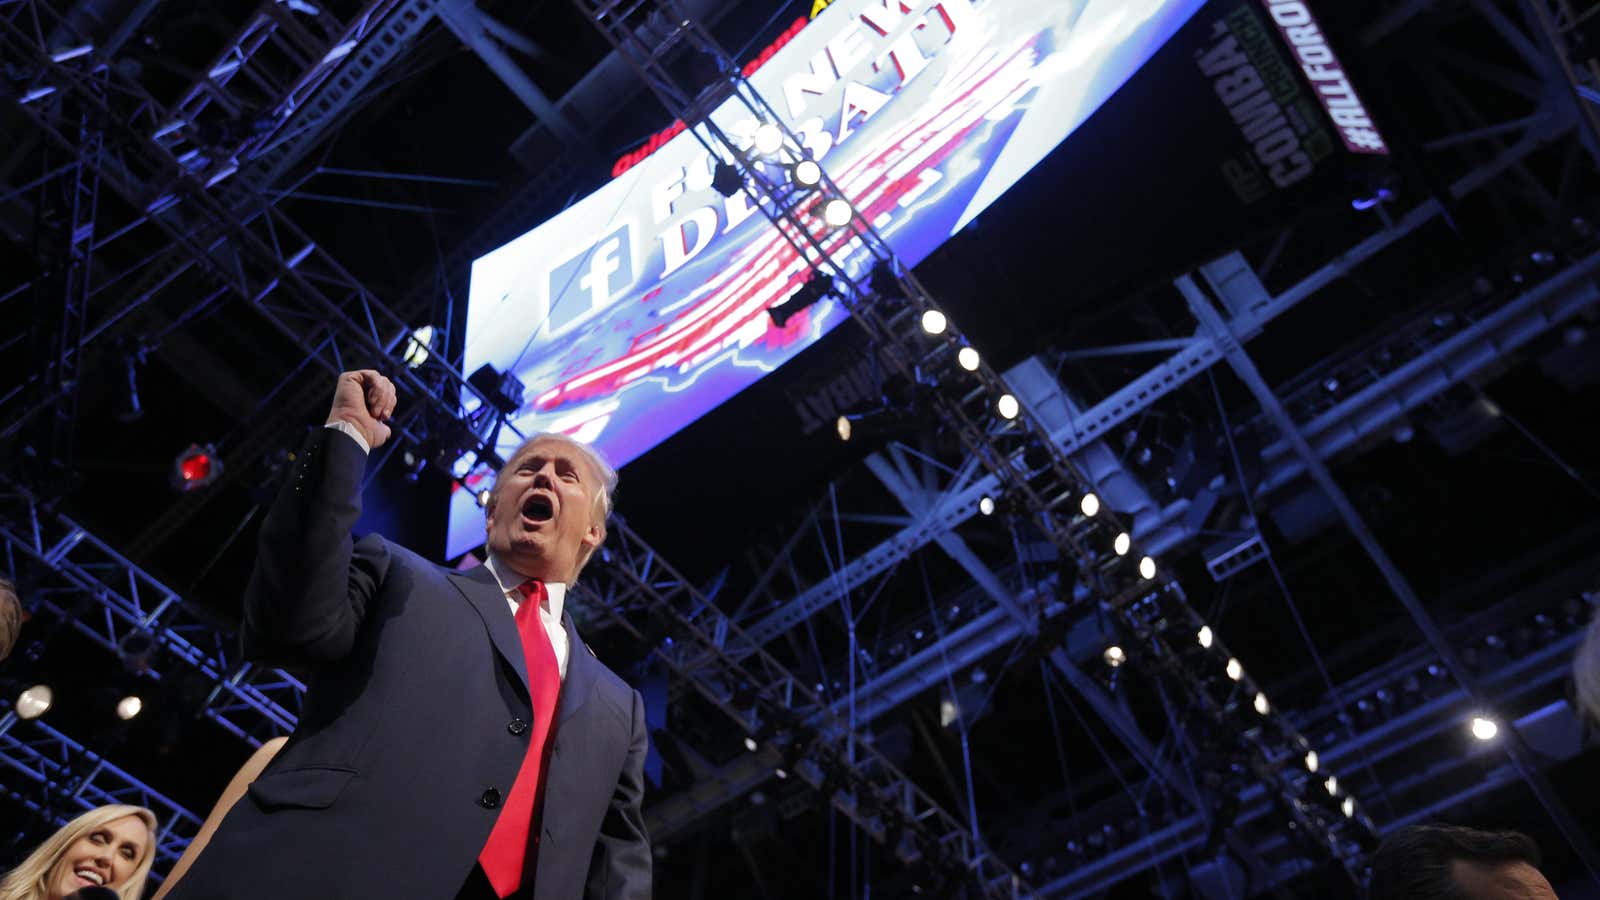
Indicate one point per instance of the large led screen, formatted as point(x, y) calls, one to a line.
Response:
point(642, 306)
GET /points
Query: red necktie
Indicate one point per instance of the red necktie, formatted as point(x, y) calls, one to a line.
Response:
point(504, 855)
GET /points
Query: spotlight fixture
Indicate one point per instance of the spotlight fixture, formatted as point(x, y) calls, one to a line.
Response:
point(1311, 761)
point(768, 139)
point(196, 467)
point(809, 293)
point(35, 701)
point(1484, 728)
point(986, 505)
point(1090, 504)
point(503, 391)
point(1261, 705)
point(1122, 544)
point(1115, 656)
point(806, 173)
point(726, 180)
point(483, 498)
point(750, 744)
point(934, 322)
point(137, 650)
point(1348, 807)
point(782, 774)
point(1147, 568)
point(1235, 671)
point(1331, 785)
point(842, 427)
point(837, 212)
point(129, 706)
point(418, 347)
point(967, 358)
point(1205, 636)
point(1007, 406)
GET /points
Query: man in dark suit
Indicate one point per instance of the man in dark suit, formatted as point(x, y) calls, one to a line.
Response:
point(457, 739)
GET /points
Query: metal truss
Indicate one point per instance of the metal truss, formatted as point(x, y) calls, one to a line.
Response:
point(1408, 713)
point(1017, 448)
point(1439, 359)
point(274, 90)
point(57, 778)
point(84, 582)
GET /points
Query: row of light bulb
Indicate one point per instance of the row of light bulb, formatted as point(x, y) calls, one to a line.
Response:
point(37, 700)
point(806, 173)
point(1482, 727)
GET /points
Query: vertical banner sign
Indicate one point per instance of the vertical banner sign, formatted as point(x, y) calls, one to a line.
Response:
point(643, 306)
point(1321, 67)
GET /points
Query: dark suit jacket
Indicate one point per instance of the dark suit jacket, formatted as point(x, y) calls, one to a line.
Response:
point(413, 724)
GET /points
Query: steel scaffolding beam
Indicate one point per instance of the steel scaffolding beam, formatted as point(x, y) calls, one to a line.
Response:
point(1542, 667)
point(105, 597)
point(57, 779)
point(1200, 305)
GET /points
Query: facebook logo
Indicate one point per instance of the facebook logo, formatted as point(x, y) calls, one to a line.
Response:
point(592, 279)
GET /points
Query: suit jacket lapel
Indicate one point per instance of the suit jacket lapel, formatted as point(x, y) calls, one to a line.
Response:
point(582, 670)
point(483, 592)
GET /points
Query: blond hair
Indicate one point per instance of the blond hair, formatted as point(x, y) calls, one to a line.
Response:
point(597, 462)
point(10, 616)
point(1586, 671)
point(31, 879)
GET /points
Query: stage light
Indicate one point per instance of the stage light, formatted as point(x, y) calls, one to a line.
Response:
point(1147, 568)
point(1235, 671)
point(1311, 761)
point(1348, 807)
point(483, 498)
point(934, 322)
point(1115, 656)
point(782, 774)
point(418, 347)
point(986, 506)
point(1122, 544)
point(1484, 728)
point(503, 391)
point(1007, 406)
point(137, 649)
point(1205, 636)
point(750, 744)
point(196, 467)
point(967, 358)
point(35, 701)
point(809, 293)
point(726, 180)
point(1331, 785)
point(1090, 504)
point(842, 427)
point(837, 212)
point(128, 707)
point(768, 139)
point(806, 173)
point(1261, 705)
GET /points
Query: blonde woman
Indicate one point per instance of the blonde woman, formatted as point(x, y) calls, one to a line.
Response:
point(111, 847)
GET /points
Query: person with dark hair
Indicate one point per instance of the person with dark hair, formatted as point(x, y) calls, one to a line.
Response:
point(1449, 862)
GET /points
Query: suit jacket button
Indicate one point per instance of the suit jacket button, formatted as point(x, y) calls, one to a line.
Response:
point(517, 726)
point(490, 799)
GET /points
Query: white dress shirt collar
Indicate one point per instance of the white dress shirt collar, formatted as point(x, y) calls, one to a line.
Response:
point(555, 591)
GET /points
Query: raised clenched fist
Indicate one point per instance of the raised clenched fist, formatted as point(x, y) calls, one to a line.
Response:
point(364, 399)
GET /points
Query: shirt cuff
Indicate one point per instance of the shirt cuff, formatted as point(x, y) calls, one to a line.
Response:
point(353, 432)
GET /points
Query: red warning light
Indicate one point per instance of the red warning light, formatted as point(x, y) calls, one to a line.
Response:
point(196, 467)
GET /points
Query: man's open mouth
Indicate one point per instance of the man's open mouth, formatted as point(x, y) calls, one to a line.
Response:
point(537, 509)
